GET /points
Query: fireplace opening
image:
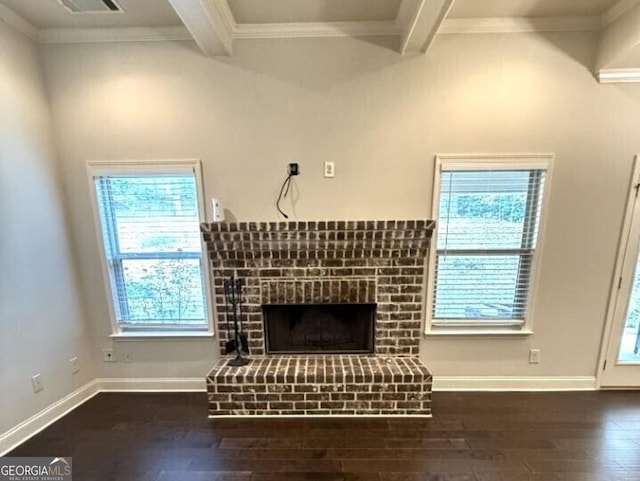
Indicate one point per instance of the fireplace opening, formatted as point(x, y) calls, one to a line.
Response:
point(319, 328)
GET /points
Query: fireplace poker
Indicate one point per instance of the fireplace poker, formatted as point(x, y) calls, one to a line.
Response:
point(230, 345)
point(243, 337)
point(233, 295)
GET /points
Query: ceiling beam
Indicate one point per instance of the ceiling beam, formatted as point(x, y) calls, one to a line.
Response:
point(16, 21)
point(419, 22)
point(616, 10)
point(619, 38)
point(209, 22)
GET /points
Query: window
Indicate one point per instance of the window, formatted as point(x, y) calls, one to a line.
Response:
point(149, 218)
point(483, 262)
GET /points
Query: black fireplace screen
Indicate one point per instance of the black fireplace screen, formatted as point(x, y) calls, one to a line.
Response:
point(319, 328)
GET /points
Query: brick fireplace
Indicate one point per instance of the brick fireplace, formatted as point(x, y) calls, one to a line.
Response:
point(323, 264)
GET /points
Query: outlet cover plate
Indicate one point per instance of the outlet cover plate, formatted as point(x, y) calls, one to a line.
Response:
point(534, 356)
point(329, 169)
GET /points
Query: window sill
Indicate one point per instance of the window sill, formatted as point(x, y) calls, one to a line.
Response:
point(474, 333)
point(162, 336)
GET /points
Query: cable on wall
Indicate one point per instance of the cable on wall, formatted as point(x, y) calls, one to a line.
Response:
point(292, 170)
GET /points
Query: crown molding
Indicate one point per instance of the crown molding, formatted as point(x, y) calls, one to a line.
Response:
point(318, 29)
point(619, 75)
point(616, 11)
point(16, 21)
point(107, 35)
point(312, 30)
point(520, 25)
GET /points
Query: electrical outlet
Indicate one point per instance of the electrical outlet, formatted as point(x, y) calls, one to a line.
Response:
point(108, 355)
point(127, 357)
point(75, 365)
point(329, 169)
point(36, 383)
point(534, 356)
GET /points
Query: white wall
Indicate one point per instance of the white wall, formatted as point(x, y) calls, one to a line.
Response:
point(42, 322)
point(382, 119)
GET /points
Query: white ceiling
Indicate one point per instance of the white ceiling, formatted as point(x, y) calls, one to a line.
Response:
point(528, 8)
point(285, 11)
point(159, 13)
point(138, 13)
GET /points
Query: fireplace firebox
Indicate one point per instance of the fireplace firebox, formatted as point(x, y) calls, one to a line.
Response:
point(319, 328)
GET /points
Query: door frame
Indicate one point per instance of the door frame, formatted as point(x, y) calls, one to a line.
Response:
point(614, 292)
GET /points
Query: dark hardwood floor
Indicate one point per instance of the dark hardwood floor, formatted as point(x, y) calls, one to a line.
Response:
point(588, 436)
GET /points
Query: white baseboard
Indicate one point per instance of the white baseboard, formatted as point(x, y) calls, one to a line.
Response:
point(187, 384)
point(36, 423)
point(513, 383)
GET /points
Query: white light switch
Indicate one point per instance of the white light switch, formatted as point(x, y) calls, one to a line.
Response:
point(217, 210)
point(36, 383)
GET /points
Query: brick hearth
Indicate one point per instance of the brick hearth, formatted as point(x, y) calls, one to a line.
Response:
point(332, 262)
point(320, 385)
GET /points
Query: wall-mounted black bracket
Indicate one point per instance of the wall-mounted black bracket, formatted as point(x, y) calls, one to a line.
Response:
point(293, 169)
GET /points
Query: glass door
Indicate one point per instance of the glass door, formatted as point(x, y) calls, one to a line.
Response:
point(621, 367)
point(629, 351)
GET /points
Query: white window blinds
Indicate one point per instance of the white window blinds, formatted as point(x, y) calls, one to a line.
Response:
point(487, 235)
point(150, 229)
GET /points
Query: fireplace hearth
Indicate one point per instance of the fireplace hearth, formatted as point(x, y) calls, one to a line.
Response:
point(319, 328)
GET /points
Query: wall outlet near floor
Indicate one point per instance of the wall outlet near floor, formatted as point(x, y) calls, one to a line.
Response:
point(75, 365)
point(36, 383)
point(108, 355)
point(534, 356)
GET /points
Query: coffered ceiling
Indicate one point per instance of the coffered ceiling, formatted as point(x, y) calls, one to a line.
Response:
point(528, 8)
point(297, 11)
point(156, 13)
point(216, 24)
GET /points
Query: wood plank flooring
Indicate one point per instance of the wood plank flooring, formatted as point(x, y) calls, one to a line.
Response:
point(586, 436)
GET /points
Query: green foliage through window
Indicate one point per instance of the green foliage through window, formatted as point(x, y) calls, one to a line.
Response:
point(487, 233)
point(150, 226)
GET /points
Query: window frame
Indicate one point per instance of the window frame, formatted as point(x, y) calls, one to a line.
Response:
point(150, 167)
point(471, 162)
